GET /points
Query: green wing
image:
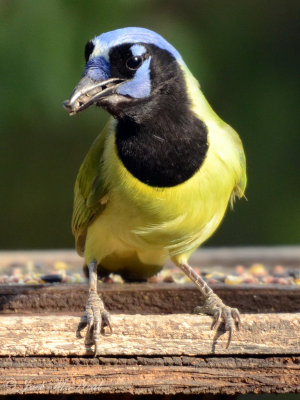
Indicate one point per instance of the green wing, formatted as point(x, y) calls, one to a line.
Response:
point(88, 192)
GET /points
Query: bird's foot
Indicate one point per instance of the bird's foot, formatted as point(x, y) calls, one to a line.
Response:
point(214, 306)
point(96, 318)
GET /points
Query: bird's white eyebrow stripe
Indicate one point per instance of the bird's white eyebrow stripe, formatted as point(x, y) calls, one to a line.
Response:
point(101, 51)
point(138, 50)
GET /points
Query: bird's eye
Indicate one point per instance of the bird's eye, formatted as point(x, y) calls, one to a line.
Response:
point(134, 62)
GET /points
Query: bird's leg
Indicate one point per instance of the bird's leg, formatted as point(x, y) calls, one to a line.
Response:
point(96, 318)
point(213, 305)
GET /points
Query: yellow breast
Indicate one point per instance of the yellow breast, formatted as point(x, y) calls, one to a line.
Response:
point(178, 218)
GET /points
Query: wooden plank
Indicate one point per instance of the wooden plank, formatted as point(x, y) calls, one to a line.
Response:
point(151, 335)
point(148, 375)
point(145, 298)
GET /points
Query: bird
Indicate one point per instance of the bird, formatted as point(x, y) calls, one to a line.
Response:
point(157, 181)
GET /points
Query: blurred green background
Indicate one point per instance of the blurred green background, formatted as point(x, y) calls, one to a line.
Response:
point(244, 54)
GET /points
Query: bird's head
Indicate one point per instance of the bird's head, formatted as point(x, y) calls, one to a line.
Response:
point(126, 69)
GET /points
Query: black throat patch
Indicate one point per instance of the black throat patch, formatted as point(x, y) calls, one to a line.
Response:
point(162, 157)
point(159, 139)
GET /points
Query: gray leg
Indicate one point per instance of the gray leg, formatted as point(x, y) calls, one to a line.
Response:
point(96, 318)
point(213, 305)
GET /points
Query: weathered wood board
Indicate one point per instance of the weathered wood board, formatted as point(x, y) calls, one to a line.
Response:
point(128, 376)
point(150, 335)
point(150, 354)
point(147, 298)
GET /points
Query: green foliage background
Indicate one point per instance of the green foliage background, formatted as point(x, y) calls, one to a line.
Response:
point(244, 54)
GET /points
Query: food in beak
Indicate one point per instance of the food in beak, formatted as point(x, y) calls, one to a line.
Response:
point(88, 92)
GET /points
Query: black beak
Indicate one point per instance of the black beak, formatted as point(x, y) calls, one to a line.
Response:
point(89, 92)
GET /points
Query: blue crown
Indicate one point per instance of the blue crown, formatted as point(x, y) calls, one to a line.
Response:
point(117, 37)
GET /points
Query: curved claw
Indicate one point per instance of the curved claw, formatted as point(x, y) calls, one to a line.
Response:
point(229, 337)
point(233, 320)
point(105, 322)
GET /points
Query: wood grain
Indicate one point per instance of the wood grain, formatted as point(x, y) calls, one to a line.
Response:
point(151, 335)
point(147, 298)
point(149, 375)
